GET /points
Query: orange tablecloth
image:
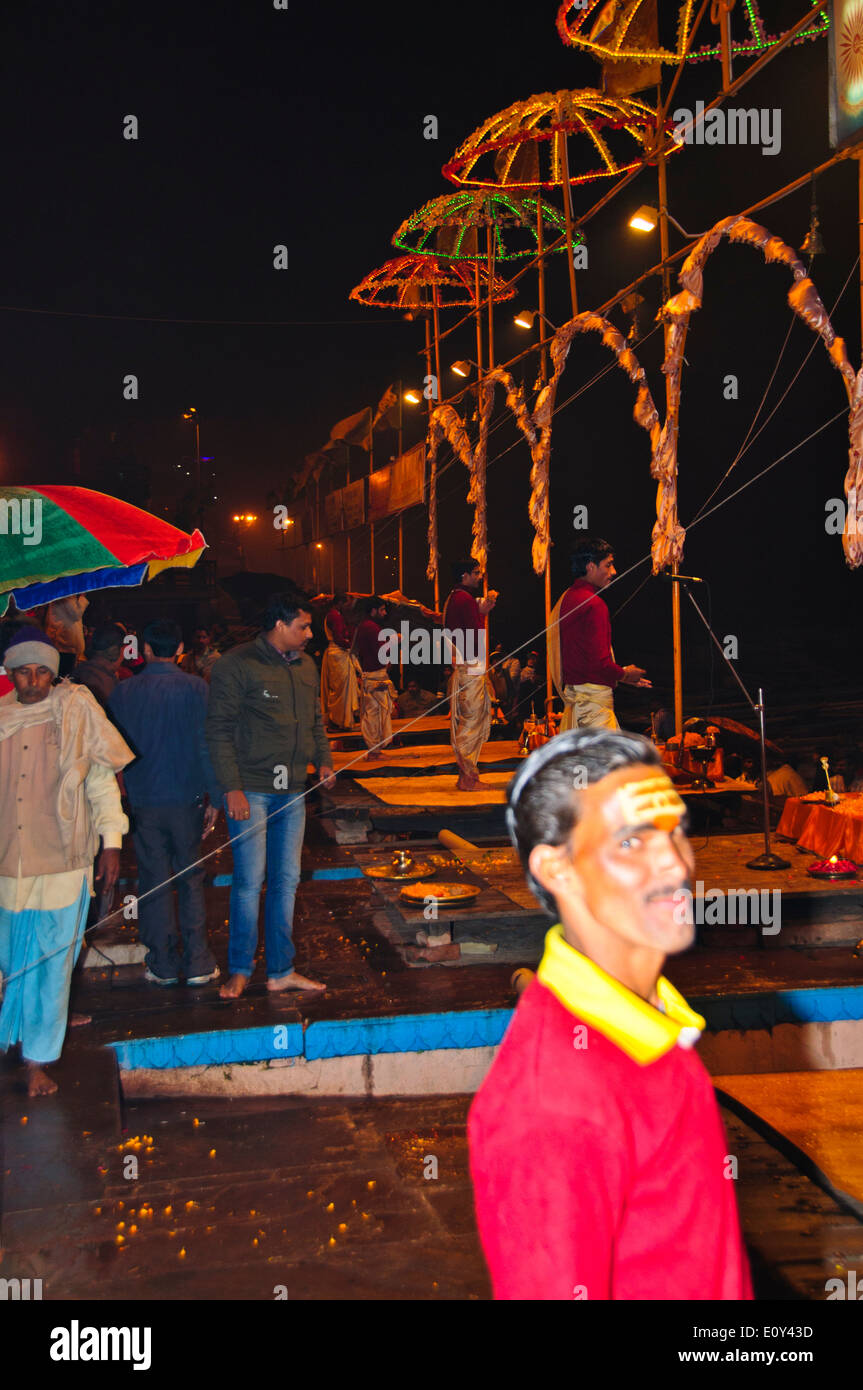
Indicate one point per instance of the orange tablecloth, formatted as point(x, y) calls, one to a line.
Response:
point(814, 826)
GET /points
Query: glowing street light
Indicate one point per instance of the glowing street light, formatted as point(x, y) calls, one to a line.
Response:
point(527, 317)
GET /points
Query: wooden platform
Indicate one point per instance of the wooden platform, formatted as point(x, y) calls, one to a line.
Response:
point(811, 912)
point(819, 1113)
point(423, 759)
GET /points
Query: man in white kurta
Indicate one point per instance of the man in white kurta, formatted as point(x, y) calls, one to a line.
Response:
point(58, 795)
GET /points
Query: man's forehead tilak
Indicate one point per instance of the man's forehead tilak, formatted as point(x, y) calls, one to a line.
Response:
point(645, 800)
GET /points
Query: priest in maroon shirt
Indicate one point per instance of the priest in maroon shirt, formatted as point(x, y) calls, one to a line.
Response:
point(581, 656)
point(597, 1151)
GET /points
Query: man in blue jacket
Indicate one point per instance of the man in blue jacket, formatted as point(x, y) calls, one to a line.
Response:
point(162, 714)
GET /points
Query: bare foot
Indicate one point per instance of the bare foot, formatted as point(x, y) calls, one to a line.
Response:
point(295, 981)
point(466, 784)
point(233, 988)
point(39, 1082)
point(79, 1020)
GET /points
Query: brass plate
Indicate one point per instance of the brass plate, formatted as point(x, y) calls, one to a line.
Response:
point(387, 871)
point(450, 894)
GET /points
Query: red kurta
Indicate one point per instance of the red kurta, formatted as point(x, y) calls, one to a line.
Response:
point(597, 1176)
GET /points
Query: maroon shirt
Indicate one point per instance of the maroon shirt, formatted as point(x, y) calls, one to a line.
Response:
point(367, 645)
point(585, 638)
point(461, 612)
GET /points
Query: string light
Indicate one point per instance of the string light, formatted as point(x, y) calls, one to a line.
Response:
point(759, 41)
point(575, 30)
point(577, 33)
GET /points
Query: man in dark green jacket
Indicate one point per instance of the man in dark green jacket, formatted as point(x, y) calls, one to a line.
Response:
point(264, 727)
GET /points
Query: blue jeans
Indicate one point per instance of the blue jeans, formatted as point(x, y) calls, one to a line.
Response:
point(270, 847)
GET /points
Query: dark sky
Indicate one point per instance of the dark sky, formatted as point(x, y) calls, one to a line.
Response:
point(305, 127)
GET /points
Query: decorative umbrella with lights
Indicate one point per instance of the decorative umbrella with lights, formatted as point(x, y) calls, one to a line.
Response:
point(448, 226)
point(419, 282)
point(620, 32)
point(70, 540)
point(526, 147)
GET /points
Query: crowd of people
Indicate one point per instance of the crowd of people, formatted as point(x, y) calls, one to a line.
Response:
point(129, 737)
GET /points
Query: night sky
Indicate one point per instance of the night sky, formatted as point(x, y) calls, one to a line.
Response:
point(305, 127)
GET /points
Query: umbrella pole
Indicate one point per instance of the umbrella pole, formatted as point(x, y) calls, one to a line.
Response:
point(490, 265)
point(567, 209)
point(478, 299)
point(676, 633)
point(543, 376)
point(436, 397)
point(348, 534)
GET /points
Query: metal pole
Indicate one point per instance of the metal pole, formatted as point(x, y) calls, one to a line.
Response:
point(401, 531)
point(478, 298)
point(431, 401)
point(676, 638)
point(197, 471)
point(431, 407)
point(567, 209)
point(859, 158)
point(490, 266)
point(725, 9)
point(371, 470)
point(543, 376)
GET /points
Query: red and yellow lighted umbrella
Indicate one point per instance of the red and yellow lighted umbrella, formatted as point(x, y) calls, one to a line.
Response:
point(56, 541)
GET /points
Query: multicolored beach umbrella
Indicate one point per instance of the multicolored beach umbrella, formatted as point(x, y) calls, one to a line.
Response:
point(56, 541)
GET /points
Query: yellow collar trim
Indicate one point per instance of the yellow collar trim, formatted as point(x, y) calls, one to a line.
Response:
point(626, 1020)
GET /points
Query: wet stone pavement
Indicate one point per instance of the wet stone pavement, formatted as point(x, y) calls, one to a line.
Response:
point(335, 1200)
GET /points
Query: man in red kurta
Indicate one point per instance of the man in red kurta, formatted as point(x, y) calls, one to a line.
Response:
point(598, 1156)
point(582, 660)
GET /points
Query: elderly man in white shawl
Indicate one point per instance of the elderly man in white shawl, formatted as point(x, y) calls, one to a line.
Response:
point(58, 794)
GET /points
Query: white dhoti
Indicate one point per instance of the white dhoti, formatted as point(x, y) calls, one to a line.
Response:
point(588, 707)
point(470, 707)
point(376, 708)
point(340, 692)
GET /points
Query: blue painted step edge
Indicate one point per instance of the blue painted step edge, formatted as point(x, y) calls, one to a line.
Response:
point(741, 1012)
point(336, 1038)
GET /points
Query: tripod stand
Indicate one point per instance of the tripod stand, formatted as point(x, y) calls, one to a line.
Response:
point(767, 860)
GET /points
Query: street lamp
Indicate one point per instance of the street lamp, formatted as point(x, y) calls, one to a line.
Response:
point(192, 414)
point(646, 219)
point(527, 317)
point(463, 368)
point(413, 396)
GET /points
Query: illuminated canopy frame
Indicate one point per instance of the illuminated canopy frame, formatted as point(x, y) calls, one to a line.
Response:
point(507, 150)
point(448, 226)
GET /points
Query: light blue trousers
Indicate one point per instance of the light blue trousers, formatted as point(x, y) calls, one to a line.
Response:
point(38, 951)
